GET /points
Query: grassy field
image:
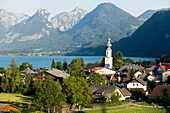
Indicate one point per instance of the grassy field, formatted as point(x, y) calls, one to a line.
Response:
point(128, 109)
point(15, 98)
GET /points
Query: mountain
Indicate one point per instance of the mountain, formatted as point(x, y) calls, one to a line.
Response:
point(9, 19)
point(36, 32)
point(152, 39)
point(146, 15)
point(35, 27)
point(106, 17)
point(66, 20)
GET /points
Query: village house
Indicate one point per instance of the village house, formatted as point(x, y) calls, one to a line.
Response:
point(166, 77)
point(103, 71)
point(161, 67)
point(137, 83)
point(5, 108)
point(27, 71)
point(56, 74)
point(99, 92)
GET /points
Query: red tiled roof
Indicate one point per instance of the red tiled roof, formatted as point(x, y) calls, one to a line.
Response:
point(97, 68)
point(164, 66)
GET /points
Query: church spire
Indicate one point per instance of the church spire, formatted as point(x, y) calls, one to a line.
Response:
point(108, 58)
point(109, 45)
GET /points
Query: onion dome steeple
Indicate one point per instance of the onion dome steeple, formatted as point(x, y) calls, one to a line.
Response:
point(109, 45)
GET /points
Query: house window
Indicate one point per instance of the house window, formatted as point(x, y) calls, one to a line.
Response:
point(133, 84)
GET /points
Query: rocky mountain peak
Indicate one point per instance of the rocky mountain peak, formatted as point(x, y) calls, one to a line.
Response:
point(9, 19)
point(42, 14)
point(66, 20)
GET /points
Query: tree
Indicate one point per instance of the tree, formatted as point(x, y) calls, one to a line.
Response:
point(116, 96)
point(11, 80)
point(48, 95)
point(129, 61)
point(77, 90)
point(165, 59)
point(97, 62)
point(25, 65)
point(96, 79)
point(118, 60)
point(2, 70)
point(53, 65)
point(65, 64)
point(28, 87)
point(118, 64)
point(132, 73)
point(75, 68)
point(153, 62)
point(103, 62)
point(163, 100)
point(59, 65)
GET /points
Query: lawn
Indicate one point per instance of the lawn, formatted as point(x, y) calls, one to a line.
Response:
point(128, 109)
point(15, 98)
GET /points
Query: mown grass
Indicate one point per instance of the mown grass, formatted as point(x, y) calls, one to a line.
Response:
point(15, 98)
point(145, 104)
point(128, 109)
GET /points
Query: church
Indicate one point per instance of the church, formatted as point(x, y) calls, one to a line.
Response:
point(109, 58)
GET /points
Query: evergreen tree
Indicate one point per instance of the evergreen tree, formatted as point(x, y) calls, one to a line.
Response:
point(25, 65)
point(28, 87)
point(97, 62)
point(103, 62)
point(96, 79)
point(53, 65)
point(65, 64)
point(12, 79)
point(59, 65)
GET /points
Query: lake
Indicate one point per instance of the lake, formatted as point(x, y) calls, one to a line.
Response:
point(45, 61)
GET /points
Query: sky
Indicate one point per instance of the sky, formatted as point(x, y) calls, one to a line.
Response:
point(134, 7)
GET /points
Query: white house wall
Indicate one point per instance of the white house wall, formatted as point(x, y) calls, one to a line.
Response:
point(105, 71)
point(136, 85)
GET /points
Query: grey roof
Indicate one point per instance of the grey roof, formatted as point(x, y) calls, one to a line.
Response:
point(58, 73)
point(3, 106)
point(142, 76)
point(125, 92)
point(141, 81)
point(130, 67)
point(103, 89)
point(27, 70)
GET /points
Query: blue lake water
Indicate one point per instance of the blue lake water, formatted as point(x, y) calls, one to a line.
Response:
point(45, 61)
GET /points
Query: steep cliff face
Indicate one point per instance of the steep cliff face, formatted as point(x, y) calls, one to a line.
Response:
point(67, 20)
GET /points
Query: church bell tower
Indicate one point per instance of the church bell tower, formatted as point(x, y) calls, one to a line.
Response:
point(108, 58)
